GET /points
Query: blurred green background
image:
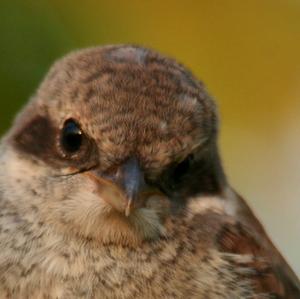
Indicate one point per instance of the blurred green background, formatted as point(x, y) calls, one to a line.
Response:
point(247, 52)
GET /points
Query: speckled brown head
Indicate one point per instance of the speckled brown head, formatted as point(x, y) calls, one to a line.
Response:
point(117, 129)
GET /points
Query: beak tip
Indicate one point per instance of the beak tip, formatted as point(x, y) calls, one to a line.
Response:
point(128, 208)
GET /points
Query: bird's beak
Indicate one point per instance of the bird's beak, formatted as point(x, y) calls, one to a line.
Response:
point(124, 189)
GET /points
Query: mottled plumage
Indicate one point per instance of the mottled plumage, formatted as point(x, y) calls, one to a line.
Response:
point(111, 186)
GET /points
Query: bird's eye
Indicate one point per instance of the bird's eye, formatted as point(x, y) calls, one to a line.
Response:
point(173, 177)
point(182, 168)
point(72, 137)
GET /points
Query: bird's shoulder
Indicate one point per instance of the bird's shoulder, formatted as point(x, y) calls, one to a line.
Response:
point(241, 239)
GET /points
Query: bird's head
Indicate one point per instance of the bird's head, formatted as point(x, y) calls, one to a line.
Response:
point(115, 140)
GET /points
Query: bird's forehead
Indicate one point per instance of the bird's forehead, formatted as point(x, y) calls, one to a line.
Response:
point(133, 127)
point(128, 95)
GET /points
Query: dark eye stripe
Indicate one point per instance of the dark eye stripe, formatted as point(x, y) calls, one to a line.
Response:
point(36, 137)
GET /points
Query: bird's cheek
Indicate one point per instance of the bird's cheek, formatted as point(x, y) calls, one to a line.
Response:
point(84, 204)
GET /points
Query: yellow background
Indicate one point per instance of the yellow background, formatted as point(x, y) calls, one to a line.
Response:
point(247, 52)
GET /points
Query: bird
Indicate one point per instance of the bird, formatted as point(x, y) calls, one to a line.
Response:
point(112, 186)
